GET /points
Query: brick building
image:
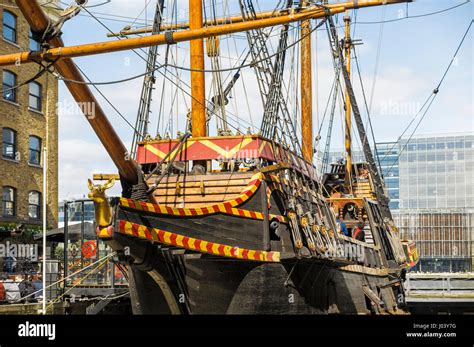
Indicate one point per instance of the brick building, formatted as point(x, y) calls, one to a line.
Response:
point(28, 123)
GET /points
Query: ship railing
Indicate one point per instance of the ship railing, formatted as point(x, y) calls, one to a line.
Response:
point(361, 252)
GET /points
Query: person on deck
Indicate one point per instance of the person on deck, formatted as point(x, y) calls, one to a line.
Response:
point(342, 227)
point(359, 233)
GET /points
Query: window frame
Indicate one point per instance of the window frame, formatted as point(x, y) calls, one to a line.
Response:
point(13, 202)
point(38, 151)
point(38, 98)
point(32, 41)
point(14, 144)
point(38, 206)
point(14, 29)
point(11, 88)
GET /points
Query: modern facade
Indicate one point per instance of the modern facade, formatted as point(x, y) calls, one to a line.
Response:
point(430, 183)
point(78, 211)
point(437, 199)
point(387, 154)
point(437, 172)
point(444, 239)
point(28, 124)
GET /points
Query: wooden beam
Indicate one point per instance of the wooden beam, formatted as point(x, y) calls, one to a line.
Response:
point(105, 177)
point(313, 12)
point(306, 90)
point(217, 21)
point(83, 95)
point(198, 83)
point(185, 25)
point(348, 127)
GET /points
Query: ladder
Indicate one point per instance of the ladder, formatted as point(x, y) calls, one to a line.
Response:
point(143, 116)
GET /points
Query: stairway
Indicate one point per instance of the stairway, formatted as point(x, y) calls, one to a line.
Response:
point(362, 189)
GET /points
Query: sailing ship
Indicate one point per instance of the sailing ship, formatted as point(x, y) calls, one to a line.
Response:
point(241, 223)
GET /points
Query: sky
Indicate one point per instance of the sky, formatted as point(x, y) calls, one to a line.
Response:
point(401, 62)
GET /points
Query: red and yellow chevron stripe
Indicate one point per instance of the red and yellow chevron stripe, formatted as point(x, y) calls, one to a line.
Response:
point(203, 211)
point(225, 207)
point(222, 147)
point(206, 148)
point(172, 239)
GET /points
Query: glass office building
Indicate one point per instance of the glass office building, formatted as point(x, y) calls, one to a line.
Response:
point(388, 154)
point(430, 182)
point(437, 172)
point(437, 200)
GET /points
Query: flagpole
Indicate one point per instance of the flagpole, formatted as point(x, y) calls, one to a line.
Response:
point(45, 193)
point(45, 153)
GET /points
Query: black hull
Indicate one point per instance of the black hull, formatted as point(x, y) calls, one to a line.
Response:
point(225, 258)
point(167, 281)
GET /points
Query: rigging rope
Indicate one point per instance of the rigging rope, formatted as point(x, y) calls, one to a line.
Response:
point(420, 15)
point(367, 109)
point(189, 69)
point(429, 101)
point(67, 277)
point(377, 58)
point(140, 75)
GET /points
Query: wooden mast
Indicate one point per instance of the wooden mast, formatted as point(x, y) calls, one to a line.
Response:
point(238, 19)
point(198, 86)
point(66, 68)
point(81, 93)
point(306, 90)
point(185, 35)
point(348, 139)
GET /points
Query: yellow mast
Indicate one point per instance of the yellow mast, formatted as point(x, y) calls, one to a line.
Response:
point(39, 22)
point(306, 90)
point(348, 140)
point(185, 35)
point(66, 68)
point(198, 84)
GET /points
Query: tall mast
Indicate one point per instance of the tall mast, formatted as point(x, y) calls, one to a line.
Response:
point(306, 90)
point(198, 86)
point(81, 93)
point(348, 140)
point(58, 53)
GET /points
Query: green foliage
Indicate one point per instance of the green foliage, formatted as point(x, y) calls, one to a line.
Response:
point(29, 231)
point(59, 253)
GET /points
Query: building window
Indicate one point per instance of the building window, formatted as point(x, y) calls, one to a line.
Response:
point(35, 96)
point(9, 143)
point(9, 202)
point(34, 205)
point(34, 45)
point(8, 86)
point(9, 26)
point(35, 150)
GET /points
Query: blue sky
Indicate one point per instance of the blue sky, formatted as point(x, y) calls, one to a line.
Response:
point(413, 55)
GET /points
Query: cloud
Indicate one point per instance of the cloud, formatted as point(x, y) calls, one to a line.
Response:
point(79, 160)
point(402, 85)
